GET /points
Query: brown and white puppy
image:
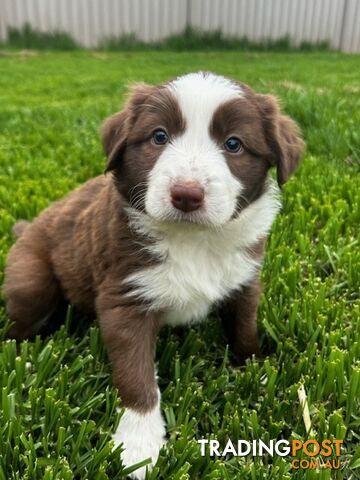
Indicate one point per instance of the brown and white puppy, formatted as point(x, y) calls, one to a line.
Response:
point(178, 228)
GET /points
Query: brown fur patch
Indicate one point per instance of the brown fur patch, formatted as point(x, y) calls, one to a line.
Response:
point(241, 119)
point(269, 138)
point(130, 337)
point(127, 137)
point(282, 136)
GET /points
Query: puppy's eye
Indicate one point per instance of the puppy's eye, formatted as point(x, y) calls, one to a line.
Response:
point(160, 137)
point(233, 145)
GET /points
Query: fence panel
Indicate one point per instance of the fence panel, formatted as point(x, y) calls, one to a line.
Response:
point(91, 21)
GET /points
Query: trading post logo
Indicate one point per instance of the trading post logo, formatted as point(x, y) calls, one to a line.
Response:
point(310, 454)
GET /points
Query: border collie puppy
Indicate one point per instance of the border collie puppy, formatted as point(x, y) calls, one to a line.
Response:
point(176, 229)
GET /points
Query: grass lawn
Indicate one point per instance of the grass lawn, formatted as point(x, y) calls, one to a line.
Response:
point(58, 411)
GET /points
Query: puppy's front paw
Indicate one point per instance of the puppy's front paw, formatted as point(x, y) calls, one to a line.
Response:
point(142, 436)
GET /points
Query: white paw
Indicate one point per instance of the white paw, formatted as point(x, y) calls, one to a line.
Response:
point(142, 436)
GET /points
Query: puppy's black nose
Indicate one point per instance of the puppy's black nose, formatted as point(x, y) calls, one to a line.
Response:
point(187, 196)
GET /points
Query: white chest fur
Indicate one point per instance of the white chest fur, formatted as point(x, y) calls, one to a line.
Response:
point(199, 266)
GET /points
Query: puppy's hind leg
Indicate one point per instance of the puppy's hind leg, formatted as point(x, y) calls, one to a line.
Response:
point(31, 290)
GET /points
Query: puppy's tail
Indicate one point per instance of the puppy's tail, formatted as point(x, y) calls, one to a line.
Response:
point(20, 227)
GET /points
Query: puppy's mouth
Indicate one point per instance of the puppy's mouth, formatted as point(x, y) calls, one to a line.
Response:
point(197, 217)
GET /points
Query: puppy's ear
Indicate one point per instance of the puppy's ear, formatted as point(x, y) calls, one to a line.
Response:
point(116, 128)
point(114, 135)
point(282, 136)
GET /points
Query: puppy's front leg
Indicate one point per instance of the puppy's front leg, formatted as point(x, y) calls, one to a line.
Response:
point(238, 315)
point(129, 336)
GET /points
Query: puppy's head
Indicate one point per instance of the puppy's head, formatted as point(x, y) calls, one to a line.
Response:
point(198, 148)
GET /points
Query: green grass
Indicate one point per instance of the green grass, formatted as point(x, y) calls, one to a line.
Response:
point(57, 413)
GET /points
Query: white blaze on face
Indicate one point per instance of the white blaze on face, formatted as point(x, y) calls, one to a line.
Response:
point(194, 155)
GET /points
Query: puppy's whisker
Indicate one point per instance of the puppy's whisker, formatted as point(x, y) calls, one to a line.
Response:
point(137, 198)
point(138, 185)
point(138, 203)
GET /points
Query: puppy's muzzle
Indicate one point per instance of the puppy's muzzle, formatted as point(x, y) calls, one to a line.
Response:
point(187, 196)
